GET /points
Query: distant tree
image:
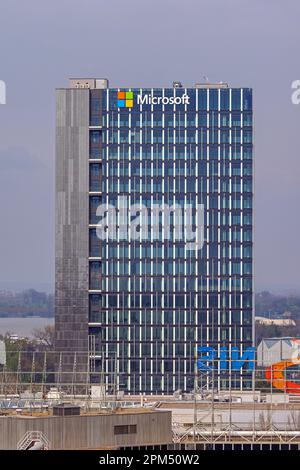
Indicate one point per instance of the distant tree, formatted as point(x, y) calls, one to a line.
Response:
point(276, 331)
point(267, 304)
point(45, 335)
point(27, 303)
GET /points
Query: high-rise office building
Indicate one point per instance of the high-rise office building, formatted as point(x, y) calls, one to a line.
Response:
point(154, 196)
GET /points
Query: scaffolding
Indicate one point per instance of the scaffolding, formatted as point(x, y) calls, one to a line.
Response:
point(268, 411)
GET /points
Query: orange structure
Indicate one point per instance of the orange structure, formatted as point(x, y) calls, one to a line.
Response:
point(275, 374)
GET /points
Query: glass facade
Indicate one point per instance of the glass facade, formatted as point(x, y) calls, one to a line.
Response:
point(152, 301)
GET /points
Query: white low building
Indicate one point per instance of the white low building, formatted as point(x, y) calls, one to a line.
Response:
point(271, 350)
point(275, 321)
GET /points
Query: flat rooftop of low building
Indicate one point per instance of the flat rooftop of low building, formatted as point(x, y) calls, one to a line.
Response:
point(101, 412)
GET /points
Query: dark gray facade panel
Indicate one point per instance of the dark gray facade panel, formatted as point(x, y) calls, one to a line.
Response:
point(71, 236)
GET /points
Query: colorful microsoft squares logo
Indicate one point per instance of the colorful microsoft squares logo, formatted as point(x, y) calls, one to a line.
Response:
point(125, 99)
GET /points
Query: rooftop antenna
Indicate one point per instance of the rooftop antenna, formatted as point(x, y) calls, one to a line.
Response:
point(205, 78)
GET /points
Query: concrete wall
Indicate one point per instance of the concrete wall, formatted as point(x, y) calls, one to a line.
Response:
point(94, 432)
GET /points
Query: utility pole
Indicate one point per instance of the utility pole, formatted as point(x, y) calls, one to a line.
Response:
point(195, 396)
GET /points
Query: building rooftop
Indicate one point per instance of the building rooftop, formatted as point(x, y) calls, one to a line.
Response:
point(104, 411)
point(103, 83)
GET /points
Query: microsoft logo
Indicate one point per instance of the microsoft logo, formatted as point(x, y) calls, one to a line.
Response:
point(125, 99)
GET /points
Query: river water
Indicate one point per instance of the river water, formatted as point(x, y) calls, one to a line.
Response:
point(23, 326)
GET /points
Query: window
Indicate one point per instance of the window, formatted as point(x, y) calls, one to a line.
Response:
point(125, 429)
point(95, 275)
point(95, 144)
point(236, 99)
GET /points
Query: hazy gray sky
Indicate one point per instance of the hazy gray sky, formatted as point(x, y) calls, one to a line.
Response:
point(251, 43)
